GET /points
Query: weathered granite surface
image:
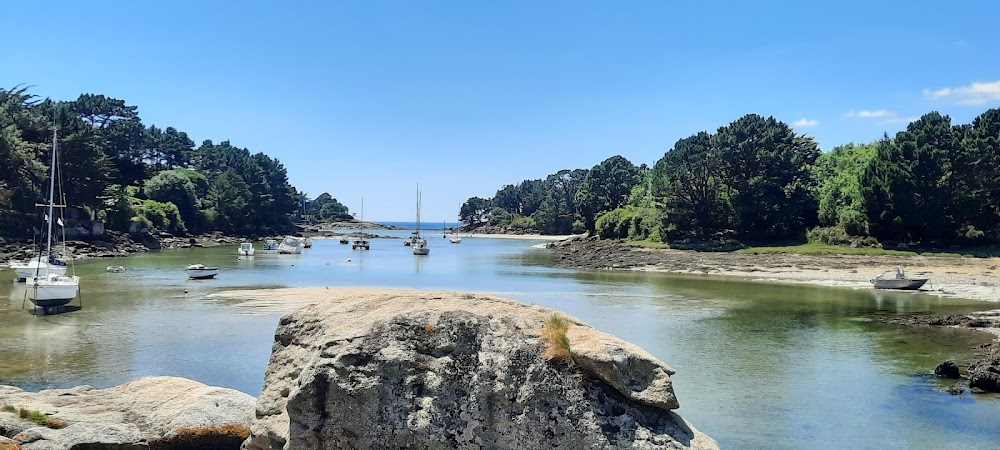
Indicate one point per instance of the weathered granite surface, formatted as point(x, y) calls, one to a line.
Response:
point(439, 370)
point(150, 412)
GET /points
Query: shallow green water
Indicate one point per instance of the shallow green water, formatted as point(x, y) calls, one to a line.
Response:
point(759, 365)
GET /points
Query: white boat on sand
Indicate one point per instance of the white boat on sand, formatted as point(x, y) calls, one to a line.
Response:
point(899, 281)
point(201, 271)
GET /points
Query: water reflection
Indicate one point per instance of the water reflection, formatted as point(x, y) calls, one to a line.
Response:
point(759, 365)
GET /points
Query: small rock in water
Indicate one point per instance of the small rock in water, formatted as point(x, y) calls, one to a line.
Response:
point(947, 369)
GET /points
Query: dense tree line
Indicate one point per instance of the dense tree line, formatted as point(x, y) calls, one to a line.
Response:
point(127, 173)
point(756, 180)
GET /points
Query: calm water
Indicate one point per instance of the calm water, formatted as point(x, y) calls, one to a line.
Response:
point(759, 365)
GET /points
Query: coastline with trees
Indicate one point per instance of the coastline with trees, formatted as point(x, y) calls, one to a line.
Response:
point(756, 182)
point(130, 186)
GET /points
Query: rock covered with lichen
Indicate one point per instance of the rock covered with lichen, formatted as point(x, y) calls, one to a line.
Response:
point(366, 369)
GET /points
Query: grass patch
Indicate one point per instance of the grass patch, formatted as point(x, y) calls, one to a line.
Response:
point(36, 417)
point(649, 244)
point(823, 249)
point(557, 343)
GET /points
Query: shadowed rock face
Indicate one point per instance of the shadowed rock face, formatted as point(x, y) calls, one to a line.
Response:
point(150, 412)
point(393, 369)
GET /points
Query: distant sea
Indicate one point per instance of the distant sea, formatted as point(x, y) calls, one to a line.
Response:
point(423, 225)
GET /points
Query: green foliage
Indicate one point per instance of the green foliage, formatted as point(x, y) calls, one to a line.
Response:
point(164, 216)
point(325, 207)
point(629, 223)
point(523, 223)
point(176, 187)
point(837, 236)
point(752, 178)
point(120, 212)
point(838, 176)
point(473, 211)
point(605, 187)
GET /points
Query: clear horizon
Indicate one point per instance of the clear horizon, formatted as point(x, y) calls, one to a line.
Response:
point(366, 100)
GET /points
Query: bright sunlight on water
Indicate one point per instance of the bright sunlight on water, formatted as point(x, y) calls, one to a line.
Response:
point(758, 365)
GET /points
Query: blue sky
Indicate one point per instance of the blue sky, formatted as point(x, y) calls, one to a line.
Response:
point(369, 98)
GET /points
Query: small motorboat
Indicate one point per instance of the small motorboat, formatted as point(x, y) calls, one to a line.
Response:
point(307, 242)
point(361, 244)
point(456, 239)
point(900, 281)
point(246, 249)
point(270, 244)
point(201, 271)
point(344, 240)
point(116, 269)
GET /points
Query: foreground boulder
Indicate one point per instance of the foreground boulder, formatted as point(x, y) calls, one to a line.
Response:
point(150, 412)
point(375, 369)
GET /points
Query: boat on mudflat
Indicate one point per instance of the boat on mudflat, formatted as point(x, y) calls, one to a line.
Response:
point(899, 281)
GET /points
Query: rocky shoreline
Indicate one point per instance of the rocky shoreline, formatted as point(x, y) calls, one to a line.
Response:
point(983, 373)
point(959, 277)
point(114, 244)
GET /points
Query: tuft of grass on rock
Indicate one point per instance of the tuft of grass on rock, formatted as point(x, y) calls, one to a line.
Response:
point(36, 417)
point(557, 343)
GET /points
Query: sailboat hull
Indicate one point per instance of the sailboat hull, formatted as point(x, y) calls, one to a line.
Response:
point(52, 291)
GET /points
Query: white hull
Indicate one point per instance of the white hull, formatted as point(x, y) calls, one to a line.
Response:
point(290, 246)
point(53, 290)
point(246, 249)
point(199, 274)
point(34, 267)
point(421, 251)
point(456, 240)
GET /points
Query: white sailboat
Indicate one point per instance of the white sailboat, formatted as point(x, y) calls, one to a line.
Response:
point(361, 243)
point(419, 244)
point(49, 287)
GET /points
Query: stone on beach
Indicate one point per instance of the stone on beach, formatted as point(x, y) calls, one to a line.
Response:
point(150, 412)
point(379, 368)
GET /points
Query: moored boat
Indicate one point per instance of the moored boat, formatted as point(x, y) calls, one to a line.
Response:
point(246, 249)
point(291, 245)
point(201, 271)
point(49, 288)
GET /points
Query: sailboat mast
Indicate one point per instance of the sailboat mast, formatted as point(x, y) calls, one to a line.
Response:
point(52, 191)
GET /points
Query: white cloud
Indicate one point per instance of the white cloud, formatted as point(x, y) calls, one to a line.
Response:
point(803, 122)
point(871, 114)
point(975, 94)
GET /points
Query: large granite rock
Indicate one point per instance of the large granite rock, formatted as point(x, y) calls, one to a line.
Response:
point(374, 369)
point(150, 412)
